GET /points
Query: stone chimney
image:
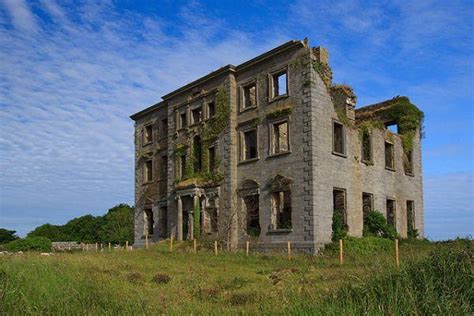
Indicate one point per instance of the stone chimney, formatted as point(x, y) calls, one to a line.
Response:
point(322, 65)
point(344, 100)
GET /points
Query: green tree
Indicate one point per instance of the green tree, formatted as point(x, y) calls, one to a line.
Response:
point(52, 232)
point(7, 235)
point(118, 225)
point(84, 229)
point(375, 224)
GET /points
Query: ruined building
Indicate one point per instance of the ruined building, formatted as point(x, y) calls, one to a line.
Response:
point(271, 151)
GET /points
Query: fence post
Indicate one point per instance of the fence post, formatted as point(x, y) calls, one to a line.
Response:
point(289, 250)
point(194, 245)
point(126, 245)
point(146, 241)
point(397, 253)
point(341, 256)
point(110, 246)
point(171, 243)
point(215, 247)
point(96, 246)
point(247, 248)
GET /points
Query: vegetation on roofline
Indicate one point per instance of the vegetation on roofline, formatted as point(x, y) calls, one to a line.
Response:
point(405, 114)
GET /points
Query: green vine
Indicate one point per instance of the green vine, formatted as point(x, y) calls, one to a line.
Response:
point(279, 113)
point(406, 115)
point(342, 117)
point(209, 132)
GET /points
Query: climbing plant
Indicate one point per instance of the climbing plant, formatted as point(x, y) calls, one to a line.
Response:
point(408, 117)
point(196, 217)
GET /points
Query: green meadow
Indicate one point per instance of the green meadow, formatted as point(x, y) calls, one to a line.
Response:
point(433, 278)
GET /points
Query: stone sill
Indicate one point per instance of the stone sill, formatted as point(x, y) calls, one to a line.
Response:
point(280, 231)
point(339, 154)
point(243, 162)
point(146, 144)
point(283, 96)
point(409, 174)
point(284, 153)
point(367, 162)
point(390, 169)
point(243, 110)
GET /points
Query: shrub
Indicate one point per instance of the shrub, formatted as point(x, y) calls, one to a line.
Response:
point(338, 229)
point(376, 225)
point(30, 244)
point(7, 235)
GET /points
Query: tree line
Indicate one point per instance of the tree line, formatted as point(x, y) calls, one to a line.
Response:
point(116, 227)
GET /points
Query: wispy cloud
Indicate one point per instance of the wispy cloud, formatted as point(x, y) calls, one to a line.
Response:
point(20, 15)
point(72, 73)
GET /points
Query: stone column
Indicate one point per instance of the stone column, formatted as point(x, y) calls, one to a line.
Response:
point(180, 219)
point(191, 225)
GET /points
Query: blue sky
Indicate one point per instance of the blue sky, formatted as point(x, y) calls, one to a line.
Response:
point(71, 72)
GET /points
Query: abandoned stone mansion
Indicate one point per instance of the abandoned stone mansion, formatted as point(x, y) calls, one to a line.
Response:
point(270, 151)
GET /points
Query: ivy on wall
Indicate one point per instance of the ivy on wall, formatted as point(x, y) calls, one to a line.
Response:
point(406, 115)
point(209, 133)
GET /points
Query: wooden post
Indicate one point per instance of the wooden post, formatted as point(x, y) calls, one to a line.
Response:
point(146, 241)
point(131, 247)
point(397, 254)
point(341, 257)
point(96, 246)
point(110, 246)
point(171, 243)
point(289, 249)
point(247, 247)
point(126, 245)
point(215, 247)
point(194, 245)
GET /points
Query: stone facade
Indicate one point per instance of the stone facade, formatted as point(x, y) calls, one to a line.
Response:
point(262, 151)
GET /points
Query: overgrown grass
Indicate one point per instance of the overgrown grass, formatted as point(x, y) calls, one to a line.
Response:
point(156, 281)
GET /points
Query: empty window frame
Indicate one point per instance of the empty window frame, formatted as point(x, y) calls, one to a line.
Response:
point(183, 120)
point(182, 167)
point(280, 84)
point(367, 204)
point(338, 139)
point(280, 141)
point(249, 96)
point(164, 128)
point(408, 162)
point(366, 147)
point(197, 153)
point(148, 134)
point(149, 222)
point(211, 109)
point(212, 158)
point(411, 219)
point(249, 144)
point(281, 210)
point(389, 156)
point(392, 127)
point(390, 208)
point(164, 167)
point(196, 115)
point(148, 171)
point(339, 205)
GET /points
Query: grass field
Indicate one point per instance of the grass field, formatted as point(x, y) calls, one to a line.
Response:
point(433, 278)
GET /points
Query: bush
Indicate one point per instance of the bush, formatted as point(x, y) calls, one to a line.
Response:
point(376, 225)
point(7, 235)
point(30, 244)
point(338, 229)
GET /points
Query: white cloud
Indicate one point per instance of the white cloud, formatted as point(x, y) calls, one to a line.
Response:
point(20, 14)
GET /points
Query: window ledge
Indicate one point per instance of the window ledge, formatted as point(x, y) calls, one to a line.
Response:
point(279, 97)
point(148, 143)
point(280, 231)
point(409, 174)
point(367, 162)
point(390, 169)
point(248, 161)
point(335, 153)
point(283, 153)
point(242, 110)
